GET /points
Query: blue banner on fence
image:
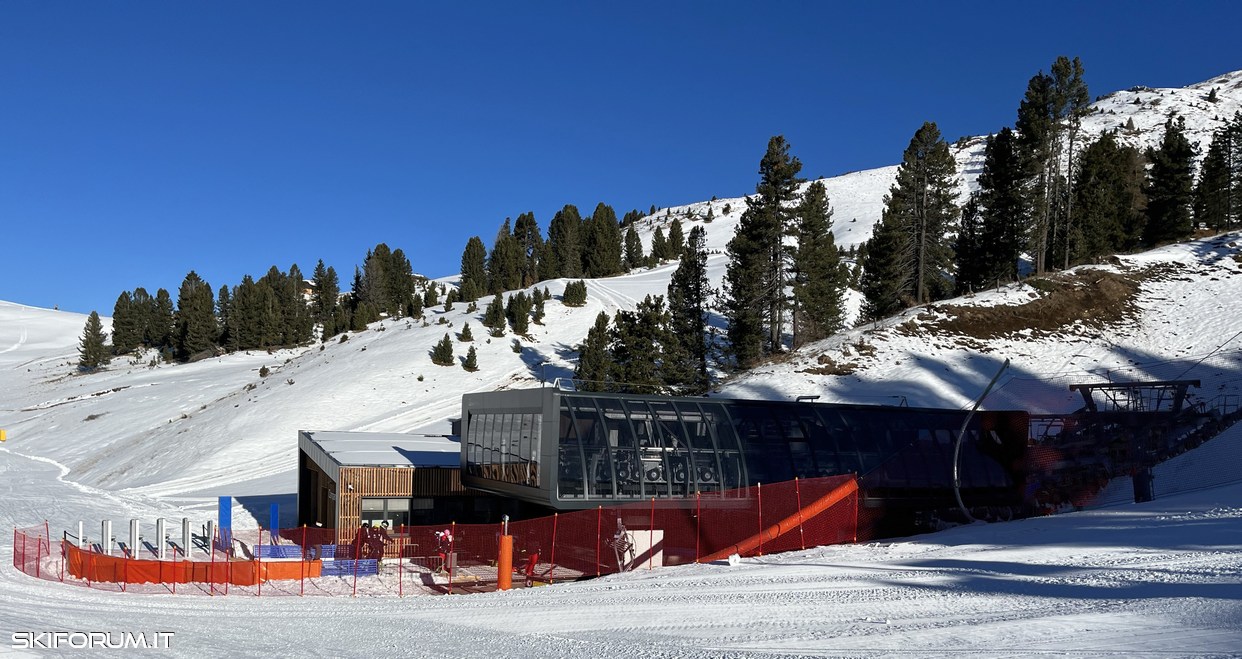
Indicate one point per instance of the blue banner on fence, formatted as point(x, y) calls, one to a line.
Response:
point(226, 521)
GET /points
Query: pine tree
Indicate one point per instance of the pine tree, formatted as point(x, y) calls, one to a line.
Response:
point(126, 332)
point(537, 300)
point(689, 293)
point(466, 335)
point(92, 350)
point(631, 218)
point(1048, 116)
point(1004, 208)
point(1170, 186)
point(1072, 105)
point(563, 256)
point(676, 239)
point(224, 307)
point(1109, 197)
point(160, 330)
point(473, 270)
point(518, 312)
point(659, 247)
point(375, 278)
point(754, 305)
point(442, 354)
point(504, 266)
point(633, 249)
point(639, 339)
point(593, 369)
point(601, 243)
point(400, 285)
point(472, 360)
point(918, 212)
point(530, 246)
point(195, 319)
point(575, 294)
point(143, 308)
point(494, 316)
point(968, 250)
point(431, 296)
point(324, 300)
point(416, 306)
point(885, 272)
point(818, 275)
point(1218, 178)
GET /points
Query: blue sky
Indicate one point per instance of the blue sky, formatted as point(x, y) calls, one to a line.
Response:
point(142, 140)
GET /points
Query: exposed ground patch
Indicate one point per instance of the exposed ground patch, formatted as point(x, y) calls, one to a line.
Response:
point(1087, 298)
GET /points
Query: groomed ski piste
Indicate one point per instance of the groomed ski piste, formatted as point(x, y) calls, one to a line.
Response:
point(143, 440)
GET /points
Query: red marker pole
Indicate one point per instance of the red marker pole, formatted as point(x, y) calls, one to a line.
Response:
point(357, 555)
point(211, 574)
point(258, 563)
point(798, 491)
point(761, 519)
point(599, 521)
point(698, 525)
point(651, 538)
point(552, 563)
point(302, 587)
point(449, 559)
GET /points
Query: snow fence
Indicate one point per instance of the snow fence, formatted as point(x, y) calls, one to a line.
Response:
point(457, 558)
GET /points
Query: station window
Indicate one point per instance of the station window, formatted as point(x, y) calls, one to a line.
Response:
point(377, 510)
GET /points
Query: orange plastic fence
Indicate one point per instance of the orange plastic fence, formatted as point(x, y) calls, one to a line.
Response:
point(465, 557)
point(96, 567)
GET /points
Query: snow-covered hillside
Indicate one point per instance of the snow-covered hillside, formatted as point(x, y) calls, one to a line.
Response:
point(142, 438)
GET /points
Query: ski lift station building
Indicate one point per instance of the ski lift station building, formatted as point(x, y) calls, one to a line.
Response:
point(347, 478)
point(529, 452)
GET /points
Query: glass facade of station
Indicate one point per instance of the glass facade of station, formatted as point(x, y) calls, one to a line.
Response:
point(571, 450)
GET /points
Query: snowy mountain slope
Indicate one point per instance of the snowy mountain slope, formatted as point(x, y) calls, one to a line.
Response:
point(858, 197)
point(144, 440)
point(216, 424)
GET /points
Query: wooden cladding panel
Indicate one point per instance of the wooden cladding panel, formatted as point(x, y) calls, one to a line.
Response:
point(368, 482)
point(388, 482)
point(437, 482)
